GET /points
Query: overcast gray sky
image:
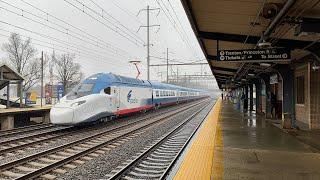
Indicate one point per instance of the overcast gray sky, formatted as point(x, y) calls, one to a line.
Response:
point(103, 33)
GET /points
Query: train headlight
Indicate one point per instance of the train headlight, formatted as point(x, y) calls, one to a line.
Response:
point(77, 103)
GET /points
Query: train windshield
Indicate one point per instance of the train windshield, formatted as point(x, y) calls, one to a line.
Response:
point(80, 90)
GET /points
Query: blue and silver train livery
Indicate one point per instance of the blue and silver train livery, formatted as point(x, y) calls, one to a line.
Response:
point(108, 95)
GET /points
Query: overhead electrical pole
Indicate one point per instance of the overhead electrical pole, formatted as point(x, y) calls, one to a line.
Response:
point(148, 41)
point(41, 77)
point(148, 35)
point(167, 65)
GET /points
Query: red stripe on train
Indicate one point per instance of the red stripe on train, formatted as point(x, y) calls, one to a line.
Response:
point(133, 110)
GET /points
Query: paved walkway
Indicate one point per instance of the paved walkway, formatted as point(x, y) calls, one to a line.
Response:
point(24, 110)
point(247, 147)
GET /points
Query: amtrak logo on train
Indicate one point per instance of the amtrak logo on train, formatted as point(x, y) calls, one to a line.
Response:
point(130, 99)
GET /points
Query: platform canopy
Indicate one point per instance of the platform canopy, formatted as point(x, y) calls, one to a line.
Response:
point(8, 74)
point(241, 24)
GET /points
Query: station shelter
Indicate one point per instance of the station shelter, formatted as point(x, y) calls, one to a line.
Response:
point(265, 54)
point(9, 76)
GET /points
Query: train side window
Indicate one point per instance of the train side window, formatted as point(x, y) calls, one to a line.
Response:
point(107, 90)
point(157, 93)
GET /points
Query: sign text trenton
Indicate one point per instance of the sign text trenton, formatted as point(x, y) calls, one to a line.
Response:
point(254, 54)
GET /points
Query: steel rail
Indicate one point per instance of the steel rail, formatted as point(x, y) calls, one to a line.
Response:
point(134, 162)
point(179, 154)
point(48, 168)
point(73, 132)
point(15, 131)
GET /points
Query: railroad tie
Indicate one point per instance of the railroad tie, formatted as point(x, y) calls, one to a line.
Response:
point(46, 160)
point(36, 164)
point(12, 174)
point(25, 169)
point(93, 155)
point(72, 151)
point(56, 156)
point(79, 148)
point(62, 153)
point(78, 162)
point(59, 171)
point(86, 158)
point(49, 176)
point(69, 166)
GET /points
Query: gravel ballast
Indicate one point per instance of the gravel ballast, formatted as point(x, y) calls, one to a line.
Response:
point(99, 167)
point(51, 144)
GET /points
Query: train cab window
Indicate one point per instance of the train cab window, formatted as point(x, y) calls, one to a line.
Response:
point(107, 90)
point(81, 90)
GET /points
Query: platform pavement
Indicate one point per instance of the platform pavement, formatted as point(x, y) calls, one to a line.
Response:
point(233, 145)
point(37, 114)
point(19, 110)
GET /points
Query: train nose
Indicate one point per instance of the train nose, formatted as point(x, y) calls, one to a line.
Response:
point(61, 115)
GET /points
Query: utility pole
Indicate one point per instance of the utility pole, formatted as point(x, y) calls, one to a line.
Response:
point(177, 74)
point(41, 77)
point(148, 35)
point(167, 65)
point(148, 41)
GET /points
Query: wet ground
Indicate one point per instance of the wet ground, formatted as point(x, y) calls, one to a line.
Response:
point(248, 147)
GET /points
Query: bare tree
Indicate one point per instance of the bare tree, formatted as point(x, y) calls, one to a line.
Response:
point(21, 55)
point(67, 71)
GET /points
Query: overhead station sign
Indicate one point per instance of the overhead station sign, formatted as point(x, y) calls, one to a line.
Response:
point(255, 55)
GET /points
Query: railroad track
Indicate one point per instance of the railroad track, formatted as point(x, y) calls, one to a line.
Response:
point(27, 129)
point(58, 159)
point(156, 161)
point(8, 147)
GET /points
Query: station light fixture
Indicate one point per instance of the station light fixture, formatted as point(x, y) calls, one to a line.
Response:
point(315, 66)
point(265, 64)
point(264, 45)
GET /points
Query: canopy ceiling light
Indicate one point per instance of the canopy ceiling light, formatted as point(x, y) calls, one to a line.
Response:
point(265, 64)
point(264, 44)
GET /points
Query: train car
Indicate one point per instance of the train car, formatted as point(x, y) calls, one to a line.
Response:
point(108, 95)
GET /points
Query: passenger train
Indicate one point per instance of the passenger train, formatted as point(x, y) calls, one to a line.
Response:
point(106, 95)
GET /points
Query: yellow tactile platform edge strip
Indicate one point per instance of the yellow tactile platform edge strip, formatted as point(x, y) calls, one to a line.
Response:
point(198, 162)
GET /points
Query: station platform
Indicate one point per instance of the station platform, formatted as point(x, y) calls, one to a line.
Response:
point(234, 145)
point(18, 117)
point(22, 110)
